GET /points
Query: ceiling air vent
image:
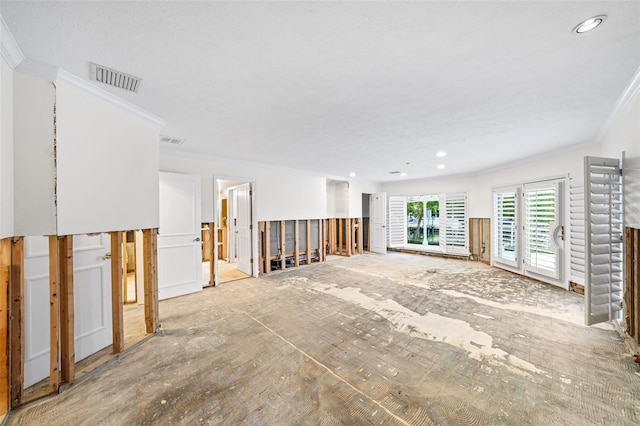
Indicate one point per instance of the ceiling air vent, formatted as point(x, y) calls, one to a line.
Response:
point(171, 140)
point(395, 172)
point(115, 78)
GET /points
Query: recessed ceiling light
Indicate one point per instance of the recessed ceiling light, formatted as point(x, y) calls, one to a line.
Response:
point(352, 174)
point(441, 166)
point(403, 174)
point(589, 24)
point(441, 154)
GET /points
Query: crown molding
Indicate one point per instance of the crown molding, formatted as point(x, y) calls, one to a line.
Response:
point(98, 93)
point(630, 94)
point(10, 50)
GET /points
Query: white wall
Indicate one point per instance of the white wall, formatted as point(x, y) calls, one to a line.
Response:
point(34, 171)
point(107, 166)
point(337, 193)
point(479, 187)
point(356, 189)
point(6, 150)
point(624, 135)
point(280, 194)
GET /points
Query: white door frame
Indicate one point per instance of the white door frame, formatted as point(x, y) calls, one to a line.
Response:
point(254, 222)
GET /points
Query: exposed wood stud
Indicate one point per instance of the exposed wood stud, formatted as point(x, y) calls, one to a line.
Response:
point(296, 243)
point(308, 251)
point(150, 247)
point(54, 314)
point(212, 254)
point(262, 255)
point(267, 247)
point(360, 237)
point(67, 319)
point(117, 260)
point(16, 314)
point(347, 234)
point(125, 287)
point(340, 242)
point(5, 276)
point(283, 251)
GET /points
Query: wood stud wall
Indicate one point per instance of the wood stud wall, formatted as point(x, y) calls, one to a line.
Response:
point(480, 239)
point(632, 282)
point(345, 236)
point(61, 312)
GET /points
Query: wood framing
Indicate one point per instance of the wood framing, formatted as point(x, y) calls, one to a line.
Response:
point(117, 301)
point(67, 320)
point(632, 282)
point(307, 252)
point(360, 237)
point(347, 235)
point(480, 239)
point(54, 314)
point(16, 325)
point(5, 276)
point(267, 247)
point(296, 243)
point(283, 247)
point(150, 246)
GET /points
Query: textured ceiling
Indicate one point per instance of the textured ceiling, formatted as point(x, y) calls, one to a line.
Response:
point(335, 87)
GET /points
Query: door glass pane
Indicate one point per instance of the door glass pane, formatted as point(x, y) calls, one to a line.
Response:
point(505, 225)
point(539, 223)
point(423, 220)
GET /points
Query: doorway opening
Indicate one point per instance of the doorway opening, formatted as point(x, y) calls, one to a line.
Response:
point(236, 234)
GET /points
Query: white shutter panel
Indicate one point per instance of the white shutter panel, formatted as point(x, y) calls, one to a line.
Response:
point(442, 222)
point(504, 227)
point(542, 218)
point(576, 229)
point(603, 239)
point(454, 220)
point(397, 222)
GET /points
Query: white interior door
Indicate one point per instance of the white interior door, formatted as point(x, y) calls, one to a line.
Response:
point(378, 223)
point(91, 294)
point(92, 301)
point(179, 245)
point(243, 227)
point(232, 237)
point(36, 309)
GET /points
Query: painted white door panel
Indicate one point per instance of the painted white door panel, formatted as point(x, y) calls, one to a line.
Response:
point(91, 294)
point(243, 229)
point(379, 223)
point(36, 309)
point(179, 245)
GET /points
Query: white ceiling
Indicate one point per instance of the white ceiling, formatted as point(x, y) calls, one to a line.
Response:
point(335, 87)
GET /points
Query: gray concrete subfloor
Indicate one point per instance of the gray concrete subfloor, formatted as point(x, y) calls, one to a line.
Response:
point(371, 339)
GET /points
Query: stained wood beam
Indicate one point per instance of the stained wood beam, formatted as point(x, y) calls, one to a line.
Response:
point(117, 301)
point(296, 243)
point(16, 325)
point(5, 276)
point(308, 252)
point(67, 321)
point(54, 314)
point(150, 247)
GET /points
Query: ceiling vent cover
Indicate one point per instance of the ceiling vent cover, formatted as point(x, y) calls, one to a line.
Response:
point(115, 78)
point(171, 140)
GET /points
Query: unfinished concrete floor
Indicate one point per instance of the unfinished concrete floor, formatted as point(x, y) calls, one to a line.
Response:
point(396, 339)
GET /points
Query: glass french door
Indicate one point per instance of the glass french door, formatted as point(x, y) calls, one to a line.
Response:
point(505, 226)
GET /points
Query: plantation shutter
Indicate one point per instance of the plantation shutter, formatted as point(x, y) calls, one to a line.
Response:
point(576, 227)
point(504, 227)
point(542, 218)
point(455, 224)
point(603, 239)
point(397, 222)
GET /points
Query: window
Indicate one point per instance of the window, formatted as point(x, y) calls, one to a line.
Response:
point(429, 222)
point(504, 226)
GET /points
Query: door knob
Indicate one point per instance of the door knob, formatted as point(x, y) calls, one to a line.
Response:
point(106, 256)
point(196, 240)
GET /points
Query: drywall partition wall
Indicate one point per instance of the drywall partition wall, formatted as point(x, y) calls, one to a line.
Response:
point(6, 150)
point(624, 135)
point(337, 193)
point(280, 194)
point(33, 151)
point(107, 163)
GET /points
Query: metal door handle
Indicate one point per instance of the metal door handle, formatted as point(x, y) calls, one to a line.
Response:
point(106, 256)
point(196, 240)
